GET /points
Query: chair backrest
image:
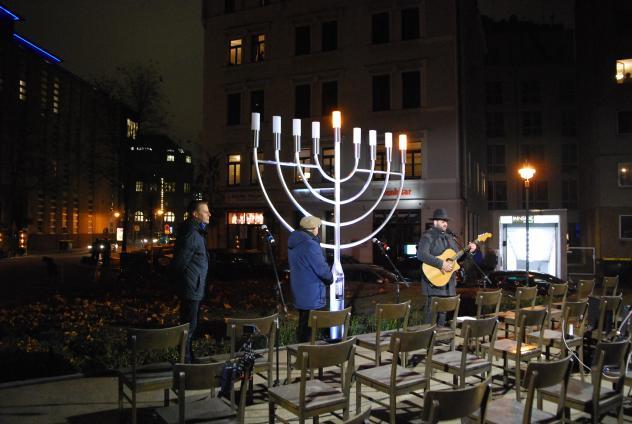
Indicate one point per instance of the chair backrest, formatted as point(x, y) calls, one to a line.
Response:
point(611, 356)
point(410, 341)
point(557, 292)
point(575, 313)
point(440, 405)
point(143, 340)
point(609, 310)
point(443, 305)
point(527, 318)
point(265, 325)
point(392, 312)
point(525, 296)
point(328, 355)
point(488, 300)
point(584, 289)
point(476, 328)
point(361, 418)
point(326, 319)
point(546, 374)
point(609, 286)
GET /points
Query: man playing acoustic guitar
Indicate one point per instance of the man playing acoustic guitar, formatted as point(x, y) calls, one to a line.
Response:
point(432, 244)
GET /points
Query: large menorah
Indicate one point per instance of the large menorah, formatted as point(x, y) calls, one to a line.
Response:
point(336, 294)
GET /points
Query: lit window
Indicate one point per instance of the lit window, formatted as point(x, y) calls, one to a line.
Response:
point(235, 52)
point(328, 161)
point(169, 187)
point(625, 174)
point(186, 215)
point(234, 169)
point(22, 90)
point(258, 47)
point(413, 160)
point(44, 91)
point(187, 187)
point(624, 71)
point(139, 186)
point(56, 95)
point(248, 218)
point(153, 186)
point(132, 129)
point(138, 216)
point(170, 217)
point(171, 158)
point(187, 159)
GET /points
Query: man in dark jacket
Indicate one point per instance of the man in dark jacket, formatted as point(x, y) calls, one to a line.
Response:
point(190, 266)
point(432, 244)
point(309, 272)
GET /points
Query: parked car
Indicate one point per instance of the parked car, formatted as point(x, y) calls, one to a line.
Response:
point(510, 280)
point(235, 264)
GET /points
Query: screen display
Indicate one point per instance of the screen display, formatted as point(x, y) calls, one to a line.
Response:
point(410, 249)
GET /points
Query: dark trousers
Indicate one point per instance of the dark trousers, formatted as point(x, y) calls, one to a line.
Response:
point(303, 332)
point(189, 311)
point(428, 312)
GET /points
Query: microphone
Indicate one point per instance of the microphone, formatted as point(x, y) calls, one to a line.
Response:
point(267, 234)
point(449, 231)
point(381, 244)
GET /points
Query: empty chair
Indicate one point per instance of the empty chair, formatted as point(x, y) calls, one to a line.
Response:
point(488, 303)
point(539, 375)
point(441, 405)
point(311, 397)
point(525, 298)
point(609, 315)
point(555, 299)
point(212, 408)
point(318, 321)
point(395, 379)
point(609, 286)
point(379, 341)
point(469, 361)
point(518, 349)
point(584, 289)
point(443, 305)
point(593, 398)
point(143, 377)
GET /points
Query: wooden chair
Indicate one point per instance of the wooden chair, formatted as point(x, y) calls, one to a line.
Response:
point(555, 300)
point(609, 286)
point(319, 320)
point(609, 316)
point(592, 398)
point(379, 341)
point(311, 397)
point(142, 377)
point(266, 326)
point(584, 289)
point(518, 349)
point(361, 418)
point(395, 379)
point(212, 408)
point(444, 305)
point(441, 405)
point(539, 375)
point(574, 323)
point(469, 361)
point(488, 301)
point(525, 298)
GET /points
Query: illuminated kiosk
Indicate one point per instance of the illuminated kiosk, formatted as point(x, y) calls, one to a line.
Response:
point(547, 240)
point(336, 292)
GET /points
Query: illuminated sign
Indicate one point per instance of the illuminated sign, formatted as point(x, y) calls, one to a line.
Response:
point(248, 218)
point(119, 234)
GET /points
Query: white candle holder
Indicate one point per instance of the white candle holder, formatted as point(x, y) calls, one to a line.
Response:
point(336, 294)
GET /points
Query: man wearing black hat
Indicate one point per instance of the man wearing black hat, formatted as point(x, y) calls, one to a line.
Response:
point(432, 244)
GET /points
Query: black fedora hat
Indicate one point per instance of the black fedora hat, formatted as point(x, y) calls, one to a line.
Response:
point(440, 213)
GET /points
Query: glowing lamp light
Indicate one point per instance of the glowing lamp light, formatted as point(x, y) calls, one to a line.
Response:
point(403, 140)
point(117, 214)
point(526, 172)
point(336, 118)
point(624, 170)
point(372, 138)
point(160, 212)
point(315, 129)
point(388, 140)
point(357, 135)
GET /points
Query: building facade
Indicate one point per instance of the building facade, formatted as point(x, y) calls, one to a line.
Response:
point(410, 67)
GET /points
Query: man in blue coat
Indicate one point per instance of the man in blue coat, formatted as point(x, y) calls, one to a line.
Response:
point(309, 272)
point(190, 266)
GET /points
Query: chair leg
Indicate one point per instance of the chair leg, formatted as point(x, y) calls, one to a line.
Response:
point(134, 416)
point(315, 419)
point(517, 384)
point(358, 396)
point(166, 397)
point(582, 371)
point(289, 368)
point(271, 412)
point(393, 408)
point(120, 394)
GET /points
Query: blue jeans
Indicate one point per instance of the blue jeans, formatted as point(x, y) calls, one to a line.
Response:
point(189, 311)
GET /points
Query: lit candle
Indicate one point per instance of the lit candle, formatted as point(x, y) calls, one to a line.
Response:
point(357, 133)
point(336, 119)
point(296, 127)
point(255, 121)
point(372, 138)
point(315, 129)
point(388, 140)
point(402, 142)
point(276, 124)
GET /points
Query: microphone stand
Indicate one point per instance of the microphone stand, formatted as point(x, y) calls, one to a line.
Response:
point(280, 305)
point(398, 274)
point(485, 277)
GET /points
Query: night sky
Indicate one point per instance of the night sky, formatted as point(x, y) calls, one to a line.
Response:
point(93, 37)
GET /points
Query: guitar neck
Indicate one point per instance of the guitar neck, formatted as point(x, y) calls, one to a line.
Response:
point(462, 251)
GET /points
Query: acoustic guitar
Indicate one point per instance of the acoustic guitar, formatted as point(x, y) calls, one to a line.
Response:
point(437, 276)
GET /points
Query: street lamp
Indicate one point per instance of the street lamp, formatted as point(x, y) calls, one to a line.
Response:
point(526, 173)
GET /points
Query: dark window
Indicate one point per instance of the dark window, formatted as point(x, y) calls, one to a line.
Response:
point(381, 92)
point(625, 227)
point(410, 23)
point(569, 194)
point(495, 124)
point(234, 109)
point(494, 93)
point(380, 30)
point(532, 153)
point(329, 36)
point(538, 195)
point(328, 161)
point(302, 40)
point(567, 91)
point(569, 123)
point(380, 161)
point(229, 6)
point(257, 101)
point(569, 157)
point(495, 158)
point(530, 91)
point(302, 101)
point(625, 121)
point(411, 89)
point(497, 195)
point(532, 123)
point(329, 97)
point(258, 47)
